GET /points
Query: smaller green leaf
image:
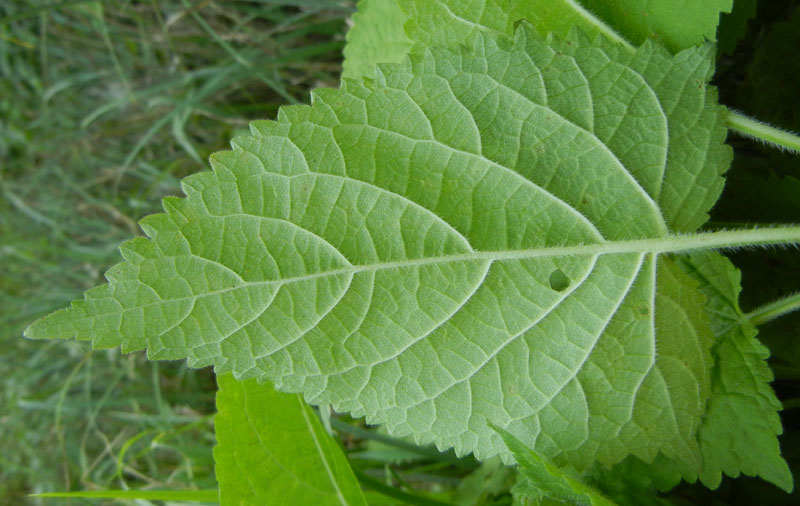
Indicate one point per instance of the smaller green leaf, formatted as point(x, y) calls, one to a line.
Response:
point(449, 22)
point(271, 444)
point(546, 480)
point(633, 482)
point(741, 425)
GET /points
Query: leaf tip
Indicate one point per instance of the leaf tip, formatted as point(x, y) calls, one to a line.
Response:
point(56, 325)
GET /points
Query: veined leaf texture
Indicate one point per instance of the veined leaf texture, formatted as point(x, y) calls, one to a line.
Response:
point(448, 244)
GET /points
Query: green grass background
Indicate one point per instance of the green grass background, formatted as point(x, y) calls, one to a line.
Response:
point(104, 107)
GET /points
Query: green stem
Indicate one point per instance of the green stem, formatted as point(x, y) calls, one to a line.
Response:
point(600, 25)
point(754, 129)
point(775, 309)
point(731, 239)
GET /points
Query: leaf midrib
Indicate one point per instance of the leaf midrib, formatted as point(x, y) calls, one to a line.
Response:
point(671, 243)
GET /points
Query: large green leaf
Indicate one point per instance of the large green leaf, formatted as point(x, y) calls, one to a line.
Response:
point(271, 445)
point(471, 236)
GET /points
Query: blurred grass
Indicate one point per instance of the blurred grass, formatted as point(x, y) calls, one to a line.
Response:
point(104, 107)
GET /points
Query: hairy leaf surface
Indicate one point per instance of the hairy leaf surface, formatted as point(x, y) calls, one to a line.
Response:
point(738, 434)
point(272, 445)
point(465, 239)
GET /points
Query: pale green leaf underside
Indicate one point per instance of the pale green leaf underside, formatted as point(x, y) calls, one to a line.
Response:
point(696, 153)
point(440, 248)
point(271, 445)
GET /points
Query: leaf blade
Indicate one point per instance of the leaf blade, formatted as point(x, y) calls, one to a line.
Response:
point(739, 433)
point(391, 250)
point(270, 444)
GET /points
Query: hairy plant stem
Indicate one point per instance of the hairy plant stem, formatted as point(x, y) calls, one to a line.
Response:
point(769, 312)
point(736, 121)
point(754, 129)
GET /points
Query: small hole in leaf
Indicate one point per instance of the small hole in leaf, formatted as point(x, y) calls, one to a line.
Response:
point(558, 280)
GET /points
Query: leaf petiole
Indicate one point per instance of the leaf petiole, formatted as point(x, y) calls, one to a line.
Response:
point(770, 135)
point(776, 309)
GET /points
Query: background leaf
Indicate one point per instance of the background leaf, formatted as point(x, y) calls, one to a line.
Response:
point(450, 22)
point(377, 36)
point(272, 445)
point(733, 25)
point(678, 24)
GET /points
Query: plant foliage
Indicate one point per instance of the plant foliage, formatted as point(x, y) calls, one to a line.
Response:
point(435, 233)
point(480, 232)
point(271, 444)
